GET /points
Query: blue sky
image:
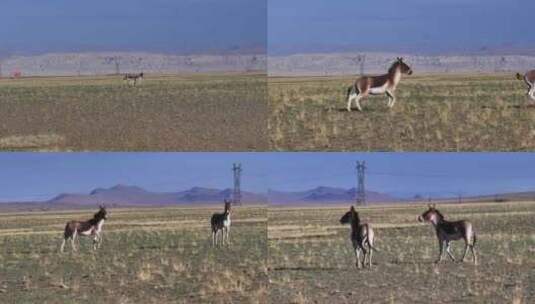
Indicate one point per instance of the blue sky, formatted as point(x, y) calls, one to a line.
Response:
point(40, 176)
point(413, 25)
point(37, 26)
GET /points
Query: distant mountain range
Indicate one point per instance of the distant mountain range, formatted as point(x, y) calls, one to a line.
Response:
point(133, 195)
point(125, 195)
point(321, 195)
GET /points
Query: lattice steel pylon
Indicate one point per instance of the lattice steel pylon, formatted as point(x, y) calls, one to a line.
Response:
point(236, 195)
point(360, 195)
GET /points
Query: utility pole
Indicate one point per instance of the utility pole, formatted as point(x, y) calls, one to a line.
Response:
point(117, 66)
point(361, 190)
point(236, 197)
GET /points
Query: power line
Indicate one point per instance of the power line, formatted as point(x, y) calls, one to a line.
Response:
point(236, 168)
point(361, 190)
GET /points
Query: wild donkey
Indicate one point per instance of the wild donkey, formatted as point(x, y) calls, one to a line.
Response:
point(377, 85)
point(361, 235)
point(221, 222)
point(91, 228)
point(132, 78)
point(529, 79)
point(450, 231)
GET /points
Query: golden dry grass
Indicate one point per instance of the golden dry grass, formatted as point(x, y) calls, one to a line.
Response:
point(432, 113)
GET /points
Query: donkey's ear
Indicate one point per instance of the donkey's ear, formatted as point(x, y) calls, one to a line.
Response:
point(352, 208)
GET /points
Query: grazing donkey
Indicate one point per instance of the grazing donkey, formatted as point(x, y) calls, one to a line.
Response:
point(221, 222)
point(450, 231)
point(361, 235)
point(378, 85)
point(529, 79)
point(132, 78)
point(91, 228)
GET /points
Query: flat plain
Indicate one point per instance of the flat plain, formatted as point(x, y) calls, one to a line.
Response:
point(311, 259)
point(148, 255)
point(432, 113)
point(223, 112)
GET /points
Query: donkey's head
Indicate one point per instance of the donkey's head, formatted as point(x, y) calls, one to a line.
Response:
point(431, 215)
point(228, 205)
point(101, 214)
point(403, 67)
point(519, 76)
point(350, 217)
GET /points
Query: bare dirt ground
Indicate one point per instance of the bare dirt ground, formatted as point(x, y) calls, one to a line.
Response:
point(216, 112)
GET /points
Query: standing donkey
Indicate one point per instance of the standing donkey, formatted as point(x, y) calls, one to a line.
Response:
point(91, 228)
point(450, 231)
point(221, 222)
point(361, 235)
point(378, 85)
point(132, 78)
point(529, 79)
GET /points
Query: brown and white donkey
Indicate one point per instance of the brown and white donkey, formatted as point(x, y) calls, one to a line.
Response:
point(91, 228)
point(378, 85)
point(362, 236)
point(529, 79)
point(450, 231)
point(220, 222)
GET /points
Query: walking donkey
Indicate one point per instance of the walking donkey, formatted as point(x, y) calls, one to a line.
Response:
point(450, 231)
point(221, 223)
point(362, 236)
point(132, 78)
point(529, 79)
point(91, 228)
point(378, 85)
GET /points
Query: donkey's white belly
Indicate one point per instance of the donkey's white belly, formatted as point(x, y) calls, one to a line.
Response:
point(378, 90)
point(87, 232)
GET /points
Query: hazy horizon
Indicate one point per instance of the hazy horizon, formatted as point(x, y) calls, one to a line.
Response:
point(41, 176)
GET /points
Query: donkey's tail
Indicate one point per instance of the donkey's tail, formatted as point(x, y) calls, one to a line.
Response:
point(372, 247)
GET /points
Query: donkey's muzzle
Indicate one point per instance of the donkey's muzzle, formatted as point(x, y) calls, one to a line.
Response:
point(410, 72)
point(420, 219)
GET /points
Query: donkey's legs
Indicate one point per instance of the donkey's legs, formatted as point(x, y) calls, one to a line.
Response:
point(449, 252)
point(371, 254)
point(62, 247)
point(73, 239)
point(466, 246)
point(228, 236)
point(441, 251)
point(357, 252)
point(531, 92)
point(357, 102)
point(391, 99)
point(365, 255)
point(352, 96)
point(213, 238)
point(474, 253)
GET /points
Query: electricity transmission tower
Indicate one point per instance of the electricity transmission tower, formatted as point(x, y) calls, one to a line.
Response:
point(361, 190)
point(236, 196)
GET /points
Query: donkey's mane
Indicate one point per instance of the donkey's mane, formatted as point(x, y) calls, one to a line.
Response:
point(440, 215)
point(393, 67)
